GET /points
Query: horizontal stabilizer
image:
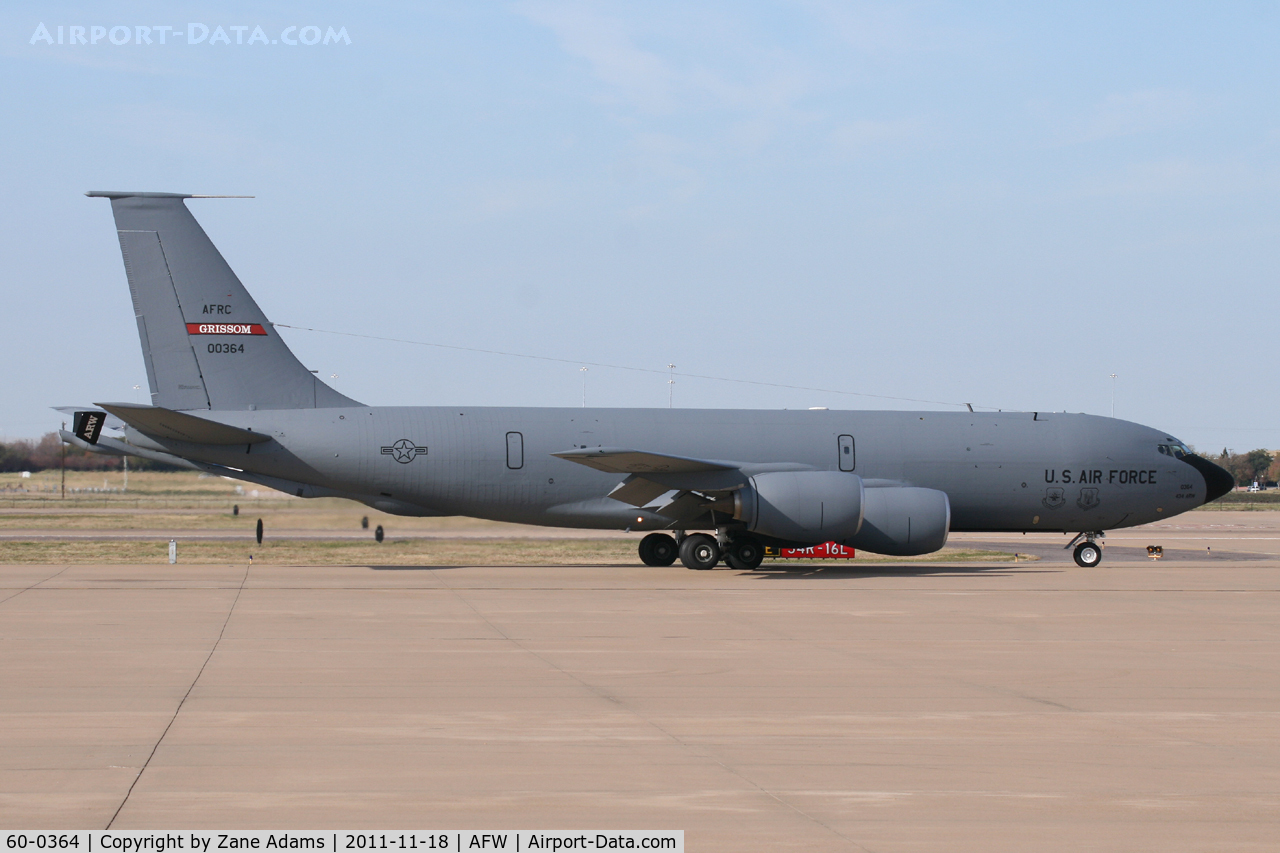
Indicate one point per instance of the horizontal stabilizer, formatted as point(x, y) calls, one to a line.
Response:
point(100, 446)
point(179, 426)
point(111, 422)
point(616, 460)
point(116, 447)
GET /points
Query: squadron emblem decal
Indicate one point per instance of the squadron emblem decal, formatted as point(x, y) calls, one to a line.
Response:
point(1088, 499)
point(1054, 497)
point(404, 451)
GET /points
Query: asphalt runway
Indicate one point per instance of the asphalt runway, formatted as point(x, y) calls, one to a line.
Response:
point(926, 707)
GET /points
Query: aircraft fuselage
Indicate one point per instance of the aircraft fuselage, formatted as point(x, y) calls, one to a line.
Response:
point(1002, 472)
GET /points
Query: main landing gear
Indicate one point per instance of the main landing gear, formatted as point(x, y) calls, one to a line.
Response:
point(1089, 552)
point(658, 549)
point(701, 552)
point(744, 554)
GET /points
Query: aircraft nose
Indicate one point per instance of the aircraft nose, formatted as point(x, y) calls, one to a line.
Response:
point(1217, 481)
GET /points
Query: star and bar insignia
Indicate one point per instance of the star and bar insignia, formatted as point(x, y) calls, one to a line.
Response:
point(404, 451)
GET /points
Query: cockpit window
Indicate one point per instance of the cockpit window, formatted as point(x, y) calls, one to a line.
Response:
point(1175, 450)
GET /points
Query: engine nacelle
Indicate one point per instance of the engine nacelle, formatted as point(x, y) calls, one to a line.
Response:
point(802, 506)
point(903, 521)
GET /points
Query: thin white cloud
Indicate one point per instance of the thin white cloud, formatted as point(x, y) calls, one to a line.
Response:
point(156, 127)
point(153, 129)
point(893, 29)
point(729, 71)
point(855, 136)
point(1121, 115)
point(1182, 176)
point(1139, 112)
point(641, 76)
point(501, 199)
point(691, 87)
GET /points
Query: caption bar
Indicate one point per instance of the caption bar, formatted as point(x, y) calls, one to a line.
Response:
point(331, 841)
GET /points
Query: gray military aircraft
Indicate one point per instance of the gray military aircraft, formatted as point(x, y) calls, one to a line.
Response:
point(229, 398)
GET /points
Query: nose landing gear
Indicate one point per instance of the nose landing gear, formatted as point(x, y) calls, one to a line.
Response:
point(1088, 553)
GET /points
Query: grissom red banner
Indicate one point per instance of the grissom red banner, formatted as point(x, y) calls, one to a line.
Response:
point(825, 551)
point(225, 329)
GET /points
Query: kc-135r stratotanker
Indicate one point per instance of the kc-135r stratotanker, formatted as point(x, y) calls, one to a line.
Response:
point(228, 397)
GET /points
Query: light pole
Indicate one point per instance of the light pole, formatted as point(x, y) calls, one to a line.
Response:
point(671, 386)
point(1113, 395)
point(584, 386)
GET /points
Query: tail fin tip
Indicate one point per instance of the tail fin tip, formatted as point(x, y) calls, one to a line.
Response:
point(126, 194)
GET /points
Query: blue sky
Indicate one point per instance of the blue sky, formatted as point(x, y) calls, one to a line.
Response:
point(991, 203)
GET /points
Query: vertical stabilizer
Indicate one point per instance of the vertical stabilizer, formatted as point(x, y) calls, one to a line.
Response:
point(206, 343)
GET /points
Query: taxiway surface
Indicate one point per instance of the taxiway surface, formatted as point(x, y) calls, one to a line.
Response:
point(920, 707)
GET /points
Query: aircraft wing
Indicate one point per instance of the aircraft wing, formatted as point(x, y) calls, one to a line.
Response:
point(653, 475)
point(179, 426)
point(616, 460)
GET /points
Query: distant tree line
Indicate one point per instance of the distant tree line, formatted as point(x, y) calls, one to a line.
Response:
point(1255, 466)
point(46, 453)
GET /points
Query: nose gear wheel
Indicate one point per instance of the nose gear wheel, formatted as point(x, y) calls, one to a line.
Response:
point(1088, 555)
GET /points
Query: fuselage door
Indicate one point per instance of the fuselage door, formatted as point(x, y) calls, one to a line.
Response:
point(848, 459)
point(515, 450)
